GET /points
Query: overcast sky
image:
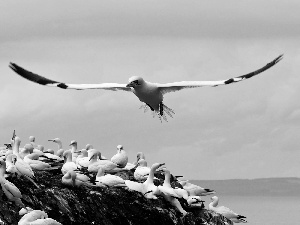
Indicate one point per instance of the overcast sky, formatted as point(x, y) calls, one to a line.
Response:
point(244, 130)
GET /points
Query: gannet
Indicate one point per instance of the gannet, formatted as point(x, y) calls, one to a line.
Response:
point(108, 179)
point(166, 188)
point(168, 192)
point(22, 168)
point(74, 151)
point(96, 161)
point(195, 190)
point(228, 213)
point(37, 217)
point(68, 163)
point(28, 149)
point(149, 189)
point(195, 202)
point(25, 210)
point(32, 141)
point(71, 178)
point(60, 149)
point(83, 156)
point(121, 158)
point(34, 163)
point(142, 171)
point(10, 190)
point(149, 93)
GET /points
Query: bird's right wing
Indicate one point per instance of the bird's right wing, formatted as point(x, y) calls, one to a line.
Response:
point(51, 83)
point(176, 86)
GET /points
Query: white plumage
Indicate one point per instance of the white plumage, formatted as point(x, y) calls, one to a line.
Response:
point(149, 93)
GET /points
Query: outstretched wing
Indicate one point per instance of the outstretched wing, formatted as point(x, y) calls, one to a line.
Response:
point(176, 86)
point(51, 83)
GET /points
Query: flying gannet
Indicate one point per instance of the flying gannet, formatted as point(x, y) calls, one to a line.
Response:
point(149, 93)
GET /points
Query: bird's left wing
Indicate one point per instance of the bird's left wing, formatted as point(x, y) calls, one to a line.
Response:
point(51, 83)
point(176, 86)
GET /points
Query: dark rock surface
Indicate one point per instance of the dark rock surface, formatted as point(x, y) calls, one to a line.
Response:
point(97, 205)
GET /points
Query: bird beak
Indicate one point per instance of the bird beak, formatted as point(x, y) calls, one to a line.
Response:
point(162, 164)
point(129, 85)
point(51, 140)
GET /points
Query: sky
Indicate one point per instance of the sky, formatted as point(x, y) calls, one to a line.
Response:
point(244, 130)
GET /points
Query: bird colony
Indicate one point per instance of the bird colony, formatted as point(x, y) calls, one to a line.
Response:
point(88, 167)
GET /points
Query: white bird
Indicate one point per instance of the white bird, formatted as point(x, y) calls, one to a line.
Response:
point(149, 93)
point(10, 190)
point(168, 192)
point(142, 171)
point(60, 149)
point(83, 156)
point(68, 163)
point(37, 217)
point(28, 149)
point(35, 164)
point(108, 179)
point(121, 158)
point(32, 141)
point(195, 190)
point(149, 189)
point(195, 202)
point(96, 161)
point(228, 213)
point(74, 151)
point(166, 188)
point(71, 178)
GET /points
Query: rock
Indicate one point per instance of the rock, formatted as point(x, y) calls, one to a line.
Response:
point(98, 205)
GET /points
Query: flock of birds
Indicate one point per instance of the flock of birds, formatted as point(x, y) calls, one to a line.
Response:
point(77, 165)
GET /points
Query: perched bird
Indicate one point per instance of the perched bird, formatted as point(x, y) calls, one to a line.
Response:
point(195, 202)
point(169, 194)
point(68, 163)
point(75, 152)
point(121, 158)
point(166, 188)
point(228, 213)
point(34, 162)
point(108, 179)
point(142, 171)
point(71, 178)
point(195, 190)
point(10, 190)
point(37, 217)
point(20, 166)
point(149, 189)
point(32, 141)
point(60, 149)
point(149, 93)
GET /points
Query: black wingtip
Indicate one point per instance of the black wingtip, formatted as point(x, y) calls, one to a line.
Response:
point(278, 58)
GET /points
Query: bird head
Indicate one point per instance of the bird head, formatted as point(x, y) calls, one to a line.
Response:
point(32, 139)
point(56, 140)
point(73, 143)
point(135, 81)
point(120, 148)
point(214, 198)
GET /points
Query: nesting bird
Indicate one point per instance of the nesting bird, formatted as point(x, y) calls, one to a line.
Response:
point(121, 158)
point(228, 213)
point(37, 217)
point(10, 190)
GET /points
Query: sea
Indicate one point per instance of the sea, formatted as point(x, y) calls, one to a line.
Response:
point(263, 210)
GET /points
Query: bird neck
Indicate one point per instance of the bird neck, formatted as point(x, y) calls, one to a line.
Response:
point(100, 172)
point(167, 180)
point(215, 202)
